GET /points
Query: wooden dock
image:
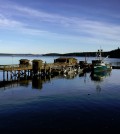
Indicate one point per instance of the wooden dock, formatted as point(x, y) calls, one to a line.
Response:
point(15, 70)
point(38, 68)
point(15, 67)
point(115, 67)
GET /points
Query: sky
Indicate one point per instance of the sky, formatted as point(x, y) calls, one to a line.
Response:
point(59, 26)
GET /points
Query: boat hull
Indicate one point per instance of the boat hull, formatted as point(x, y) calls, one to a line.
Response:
point(102, 68)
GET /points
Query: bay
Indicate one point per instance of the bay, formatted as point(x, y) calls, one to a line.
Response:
point(62, 104)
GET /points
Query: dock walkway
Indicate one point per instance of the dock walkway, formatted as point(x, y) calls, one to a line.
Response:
point(15, 67)
point(15, 70)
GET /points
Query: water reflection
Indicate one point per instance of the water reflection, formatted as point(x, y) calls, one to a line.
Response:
point(99, 76)
point(81, 74)
point(70, 76)
point(36, 81)
point(15, 83)
point(98, 88)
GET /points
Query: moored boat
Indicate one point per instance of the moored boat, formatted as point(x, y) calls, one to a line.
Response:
point(99, 65)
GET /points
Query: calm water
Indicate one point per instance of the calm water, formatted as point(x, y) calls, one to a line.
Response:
point(62, 104)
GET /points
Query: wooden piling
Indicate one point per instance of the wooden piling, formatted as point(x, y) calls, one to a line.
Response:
point(3, 75)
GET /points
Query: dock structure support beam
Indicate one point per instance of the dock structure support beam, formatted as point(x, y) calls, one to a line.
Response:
point(24, 72)
point(45, 70)
point(28, 72)
point(11, 75)
point(49, 70)
point(7, 75)
point(18, 73)
point(15, 75)
point(3, 75)
point(39, 72)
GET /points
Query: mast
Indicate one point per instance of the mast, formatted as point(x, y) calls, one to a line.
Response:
point(99, 54)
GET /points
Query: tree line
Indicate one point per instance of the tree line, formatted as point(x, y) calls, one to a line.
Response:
point(111, 54)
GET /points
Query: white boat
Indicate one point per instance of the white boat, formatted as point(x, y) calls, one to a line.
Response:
point(69, 69)
point(72, 69)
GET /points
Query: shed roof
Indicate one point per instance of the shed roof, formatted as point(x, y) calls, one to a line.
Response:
point(24, 60)
point(66, 58)
point(36, 60)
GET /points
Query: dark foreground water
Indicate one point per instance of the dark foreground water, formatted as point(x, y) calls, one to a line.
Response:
point(73, 104)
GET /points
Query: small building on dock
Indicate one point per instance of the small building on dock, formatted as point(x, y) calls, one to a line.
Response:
point(66, 60)
point(64, 65)
point(37, 65)
point(25, 62)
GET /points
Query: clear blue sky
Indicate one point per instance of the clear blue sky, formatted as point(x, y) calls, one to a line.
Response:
point(59, 26)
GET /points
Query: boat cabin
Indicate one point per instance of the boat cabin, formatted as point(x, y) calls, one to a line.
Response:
point(94, 62)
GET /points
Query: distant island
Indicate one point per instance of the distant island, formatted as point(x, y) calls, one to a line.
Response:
point(112, 54)
point(6, 54)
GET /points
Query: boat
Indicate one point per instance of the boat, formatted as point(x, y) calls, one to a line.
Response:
point(99, 65)
point(72, 69)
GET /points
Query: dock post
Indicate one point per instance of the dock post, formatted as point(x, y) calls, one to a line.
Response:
point(11, 75)
point(14, 75)
point(18, 73)
point(3, 75)
point(28, 72)
point(7, 75)
point(25, 73)
point(45, 70)
point(49, 70)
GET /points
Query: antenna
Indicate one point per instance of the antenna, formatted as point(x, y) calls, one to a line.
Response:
point(99, 53)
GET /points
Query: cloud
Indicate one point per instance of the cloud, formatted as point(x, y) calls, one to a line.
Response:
point(90, 27)
point(99, 30)
point(8, 23)
point(72, 27)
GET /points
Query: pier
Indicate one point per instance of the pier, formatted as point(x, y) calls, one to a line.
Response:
point(15, 70)
point(38, 68)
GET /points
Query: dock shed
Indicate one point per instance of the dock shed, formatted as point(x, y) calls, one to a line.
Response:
point(37, 65)
point(66, 60)
point(24, 62)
